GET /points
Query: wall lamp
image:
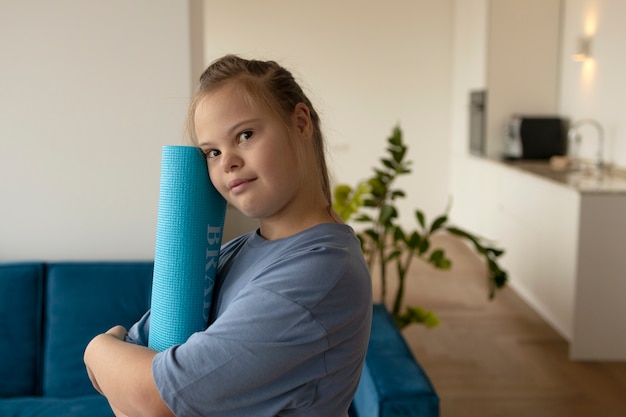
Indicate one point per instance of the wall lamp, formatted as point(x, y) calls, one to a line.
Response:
point(583, 49)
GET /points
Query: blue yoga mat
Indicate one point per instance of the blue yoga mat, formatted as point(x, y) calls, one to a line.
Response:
point(189, 235)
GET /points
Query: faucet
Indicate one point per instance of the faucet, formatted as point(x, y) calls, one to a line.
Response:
point(573, 136)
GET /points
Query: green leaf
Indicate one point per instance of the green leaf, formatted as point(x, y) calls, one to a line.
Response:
point(396, 137)
point(495, 252)
point(372, 234)
point(436, 255)
point(389, 164)
point(414, 240)
point(342, 192)
point(378, 188)
point(500, 278)
point(382, 176)
point(444, 264)
point(387, 214)
point(456, 231)
point(420, 218)
point(398, 155)
point(438, 223)
point(398, 234)
point(368, 202)
point(423, 246)
point(394, 254)
point(397, 193)
point(416, 315)
point(438, 260)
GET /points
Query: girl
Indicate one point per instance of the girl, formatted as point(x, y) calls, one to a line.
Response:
point(291, 312)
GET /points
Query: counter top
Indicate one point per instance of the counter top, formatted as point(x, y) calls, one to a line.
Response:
point(589, 180)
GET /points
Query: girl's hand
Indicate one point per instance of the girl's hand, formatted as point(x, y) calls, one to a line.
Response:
point(119, 332)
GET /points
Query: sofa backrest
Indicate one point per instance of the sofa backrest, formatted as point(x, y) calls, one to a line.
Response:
point(43, 354)
point(21, 295)
point(83, 300)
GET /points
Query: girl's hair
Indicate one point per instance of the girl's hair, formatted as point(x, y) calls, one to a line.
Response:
point(269, 84)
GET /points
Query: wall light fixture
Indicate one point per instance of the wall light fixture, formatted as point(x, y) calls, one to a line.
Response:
point(583, 49)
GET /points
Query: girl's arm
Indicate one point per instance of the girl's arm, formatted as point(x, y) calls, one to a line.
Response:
point(122, 372)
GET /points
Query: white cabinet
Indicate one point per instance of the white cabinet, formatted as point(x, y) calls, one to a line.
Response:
point(564, 249)
point(535, 221)
point(600, 310)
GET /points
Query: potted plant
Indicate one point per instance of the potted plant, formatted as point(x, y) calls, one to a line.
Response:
point(386, 244)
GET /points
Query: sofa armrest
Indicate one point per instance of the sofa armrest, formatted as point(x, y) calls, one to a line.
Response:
point(393, 383)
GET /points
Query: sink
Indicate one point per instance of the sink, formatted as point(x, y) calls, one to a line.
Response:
point(601, 180)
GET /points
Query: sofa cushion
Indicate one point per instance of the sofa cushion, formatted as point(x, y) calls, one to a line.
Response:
point(81, 301)
point(20, 338)
point(84, 406)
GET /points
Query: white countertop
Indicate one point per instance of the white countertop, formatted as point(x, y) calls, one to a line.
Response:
point(609, 180)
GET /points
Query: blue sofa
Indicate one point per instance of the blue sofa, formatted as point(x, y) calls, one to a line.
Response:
point(50, 311)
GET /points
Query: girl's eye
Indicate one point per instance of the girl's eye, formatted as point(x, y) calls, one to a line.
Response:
point(244, 136)
point(212, 153)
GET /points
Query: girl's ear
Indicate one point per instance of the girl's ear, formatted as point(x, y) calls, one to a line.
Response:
point(302, 120)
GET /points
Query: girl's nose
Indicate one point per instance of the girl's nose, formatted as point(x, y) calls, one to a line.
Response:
point(231, 161)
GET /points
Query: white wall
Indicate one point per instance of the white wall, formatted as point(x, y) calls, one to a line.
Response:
point(596, 88)
point(469, 73)
point(366, 66)
point(522, 63)
point(89, 92)
point(469, 65)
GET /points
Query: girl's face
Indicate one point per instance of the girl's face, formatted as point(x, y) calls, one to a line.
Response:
point(251, 154)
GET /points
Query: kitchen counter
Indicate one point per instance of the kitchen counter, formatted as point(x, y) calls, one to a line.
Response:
point(588, 180)
point(564, 236)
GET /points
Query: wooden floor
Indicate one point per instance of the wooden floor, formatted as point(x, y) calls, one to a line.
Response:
point(499, 358)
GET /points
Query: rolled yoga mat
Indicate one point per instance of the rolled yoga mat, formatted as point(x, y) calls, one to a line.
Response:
point(189, 234)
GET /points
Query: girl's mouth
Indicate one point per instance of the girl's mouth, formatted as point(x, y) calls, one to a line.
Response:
point(238, 185)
